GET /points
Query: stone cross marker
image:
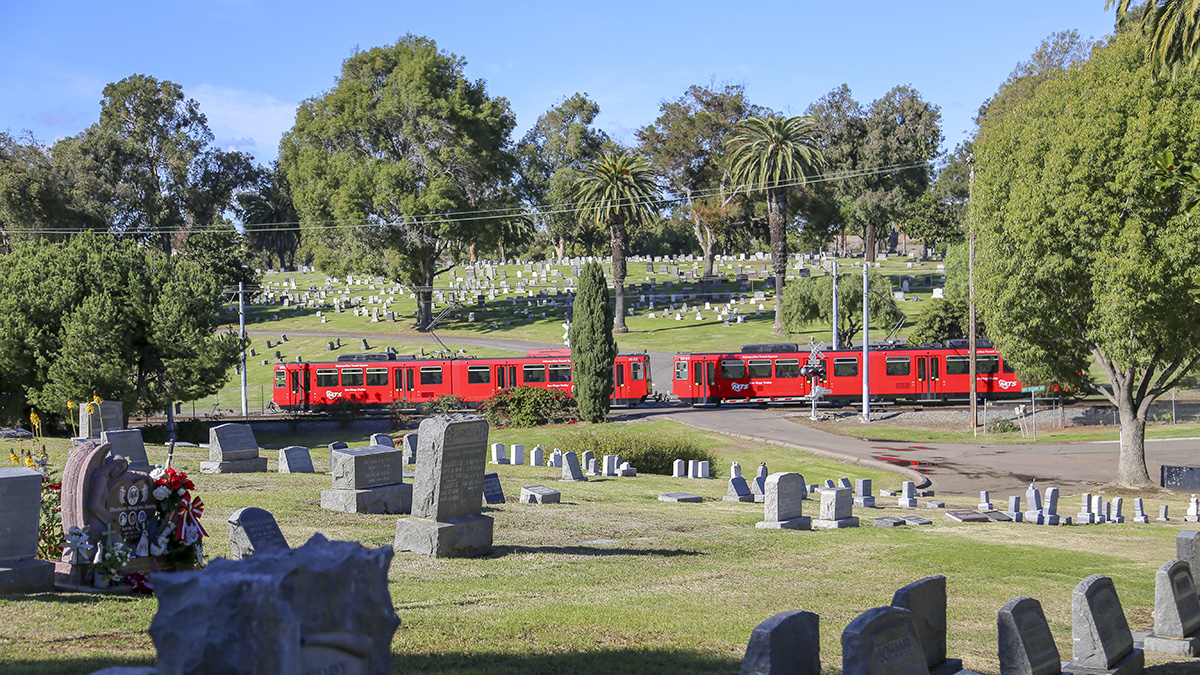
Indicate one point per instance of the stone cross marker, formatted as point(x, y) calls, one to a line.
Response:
point(232, 449)
point(448, 490)
point(784, 503)
point(295, 459)
point(926, 600)
point(128, 443)
point(1100, 634)
point(1026, 644)
point(1176, 611)
point(20, 502)
point(788, 642)
point(882, 641)
point(253, 530)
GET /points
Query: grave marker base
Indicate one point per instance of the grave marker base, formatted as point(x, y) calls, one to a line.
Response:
point(865, 502)
point(26, 576)
point(392, 499)
point(890, 522)
point(1187, 646)
point(1133, 664)
point(838, 524)
point(680, 497)
point(801, 523)
point(253, 465)
point(464, 537)
point(749, 499)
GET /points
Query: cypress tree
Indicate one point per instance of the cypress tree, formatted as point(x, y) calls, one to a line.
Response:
point(592, 345)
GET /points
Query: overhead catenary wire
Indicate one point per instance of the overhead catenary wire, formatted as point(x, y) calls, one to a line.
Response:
point(510, 212)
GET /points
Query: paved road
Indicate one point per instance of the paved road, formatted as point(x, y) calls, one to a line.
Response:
point(957, 469)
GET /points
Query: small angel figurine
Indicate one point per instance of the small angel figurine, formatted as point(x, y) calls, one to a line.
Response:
point(76, 545)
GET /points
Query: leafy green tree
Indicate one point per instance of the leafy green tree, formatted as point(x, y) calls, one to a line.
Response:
point(1174, 30)
point(931, 220)
point(617, 189)
point(1056, 55)
point(945, 319)
point(380, 164)
point(222, 251)
point(686, 146)
point(98, 316)
point(592, 345)
point(270, 220)
point(774, 154)
point(1078, 256)
point(154, 149)
point(809, 301)
point(48, 192)
point(551, 155)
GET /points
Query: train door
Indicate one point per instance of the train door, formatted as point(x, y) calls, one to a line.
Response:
point(929, 378)
point(620, 381)
point(506, 376)
point(704, 382)
point(405, 383)
point(287, 388)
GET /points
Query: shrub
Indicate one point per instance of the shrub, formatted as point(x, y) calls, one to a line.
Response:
point(446, 403)
point(527, 407)
point(648, 452)
point(1000, 425)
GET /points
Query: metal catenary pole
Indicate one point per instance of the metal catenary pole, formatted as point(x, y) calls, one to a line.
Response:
point(836, 343)
point(971, 292)
point(866, 374)
point(242, 332)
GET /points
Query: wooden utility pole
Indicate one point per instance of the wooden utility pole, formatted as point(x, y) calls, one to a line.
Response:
point(971, 294)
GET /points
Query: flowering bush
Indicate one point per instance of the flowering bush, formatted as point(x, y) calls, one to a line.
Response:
point(50, 531)
point(180, 539)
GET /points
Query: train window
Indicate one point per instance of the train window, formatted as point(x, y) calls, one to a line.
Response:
point(479, 375)
point(898, 365)
point(958, 365)
point(698, 371)
point(327, 378)
point(760, 368)
point(846, 367)
point(987, 365)
point(787, 368)
point(352, 377)
point(733, 370)
point(681, 370)
point(619, 374)
point(637, 371)
point(533, 373)
point(280, 379)
point(431, 374)
point(377, 377)
point(1007, 368)
point(560, 372)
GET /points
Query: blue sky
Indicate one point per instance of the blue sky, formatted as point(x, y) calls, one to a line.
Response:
point(249, 63)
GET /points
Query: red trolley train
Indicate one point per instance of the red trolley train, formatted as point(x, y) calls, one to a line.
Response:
point(380, 380)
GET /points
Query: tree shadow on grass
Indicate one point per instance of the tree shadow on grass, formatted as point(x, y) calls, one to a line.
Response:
point(659, 661)
point(501, 551)
point(81, 599)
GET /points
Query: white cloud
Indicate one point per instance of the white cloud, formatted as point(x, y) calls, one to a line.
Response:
point(249, 121)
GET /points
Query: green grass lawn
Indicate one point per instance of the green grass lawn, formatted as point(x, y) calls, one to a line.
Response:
point(612, 580)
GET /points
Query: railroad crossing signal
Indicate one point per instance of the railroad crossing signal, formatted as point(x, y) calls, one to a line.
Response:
point(566, 333)
point(820, 391)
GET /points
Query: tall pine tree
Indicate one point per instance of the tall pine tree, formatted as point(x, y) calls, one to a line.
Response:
point(592, 345)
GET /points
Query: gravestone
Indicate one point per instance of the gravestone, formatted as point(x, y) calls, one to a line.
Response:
point(383, 439)
point(232, 449)
point(336, 445)
point(862, 493)
point(759, 485)
point(499, 456)
point(570, 468)
point(540, 494)
point(282, 611)
point(447, 494)
point(1098, 509)
point(888, 521)
point(1033, 499)
point(128, 443)
point(784, 503)
point(253, 530)
point(1050, 514)
point(1179, 478)
point(788, 642)
point(1026, 644)
point(536, 456)
point(837, 509)
point(882, 641)
point(1162, 513)
point(679, 469)
point(966, 516)
point(492, 492)
point(926, 600)
point(1176, 612)
point(917, 520)
point(410, 448)
point(1100, 634)
point(680, 497)
point(107, 416)
point(368, 480)
point(908, 497)
point(295, 459)
point(1139, 511)
point(738, 491)
point(1014, 509)
point(20, 504)
point(1117, 517)
point(1187, 549)
point(518, 454)
point(1085, 515)
point(985, 502)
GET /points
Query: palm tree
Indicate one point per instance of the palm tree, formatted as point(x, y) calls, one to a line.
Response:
point(271, 222)
point(618, 188)
point(1173, 27)
point(775, 154)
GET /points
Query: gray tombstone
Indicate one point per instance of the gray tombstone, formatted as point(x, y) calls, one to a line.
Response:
point(738, 491)
point(537, 456)
point(20, 503)
point(787, 643)
point(128, 443)
point(1014, 509)
point(383, 439)
point(336, 445)
point(368, 480)
point(108, 416)
point(1085, 515)
point(253, 530)
point(288, 610)
point(540, 494)
point(1050, 512)
point(683, 497)
point(410, 448)
point(1033, 499)
point(908, 495)
point(882, 641)
point(518, 453)
point(570, 468)
point(499, 456)
point(679, 469)
point(1187, 546)
point(1176, 612)
point(232, 449)
point(862, 493)
point(1026, 644)
point(1139, 511)
point(889, 522)
point(493, 493)
point(784, 503)
point(447, 494)
point(1100, 634)
point(295, 459)
point(926, 600)
point(585, 459)
point(837, 509)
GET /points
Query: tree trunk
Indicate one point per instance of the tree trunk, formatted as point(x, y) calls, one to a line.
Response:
point(1131, 464)
point(617, 231)
point(869, 243)
point(425, 291)
point(707, 244)
point(503, 255)
point(471, 252)
point(560, 247)
point(777, 219)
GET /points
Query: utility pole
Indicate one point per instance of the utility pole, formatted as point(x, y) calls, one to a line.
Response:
point(242, 332)
point(971, 295)
point(866, 372)
point(836, 343)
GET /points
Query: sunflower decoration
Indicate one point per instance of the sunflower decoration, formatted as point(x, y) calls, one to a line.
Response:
point(71, 417)
point(95, 405)
point(12, 457)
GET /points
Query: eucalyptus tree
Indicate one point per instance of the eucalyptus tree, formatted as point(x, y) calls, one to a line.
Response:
point(774, 155)
point(618, 189)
